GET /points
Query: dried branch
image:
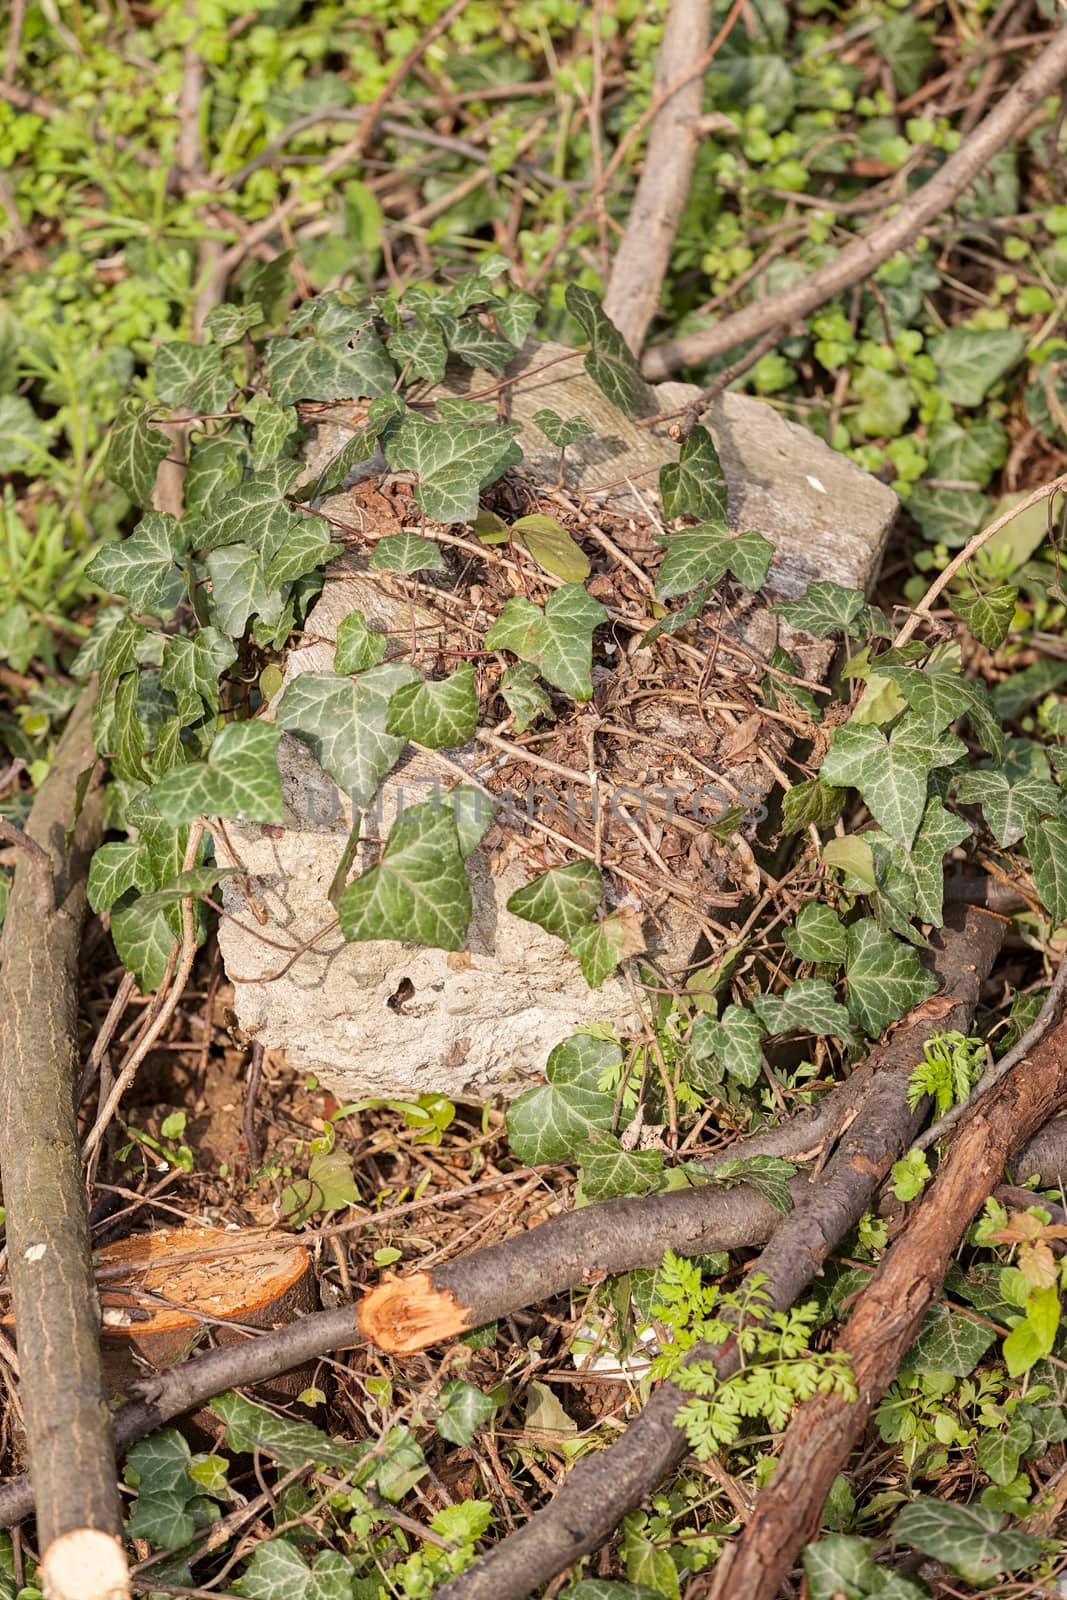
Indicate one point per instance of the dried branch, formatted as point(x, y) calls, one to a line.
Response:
point(859, 259)
point(644, 252)
point(68, 1429)
point(884, 1322)
point(600, 1490)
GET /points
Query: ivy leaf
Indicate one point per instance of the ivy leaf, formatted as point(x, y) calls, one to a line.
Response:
point(441, 715)
point(420, 348)
point(602, 945)
point(418, 893)
point(998, 1454)
point(811, 802)
point(524, 696)
point(406, 552)
point(515, 316)
point(358, 645)
point(705, 553)
point(453, 462)
point(114, 870)
point(806, 1007)
point(607, 1170)
point(290, 1443)
point(475, 344)
point(142, 567)
point(192, 376)
point(278, 1571)
point(322, 366)
point(949, 1342)
point(552, 547)
point(1046, 845)
point(987, 616)
point(558, 640)
point(817, 935)
point(254, 512)
point(473, 811)
point(562, 433)
point(548, 1123)
point(695, 484)
point(227, 324)
point(214, 467)
point(609, 361)
point(885, 977)
point(939, 697)
point(144, 933)
point(239, 589)
point(238, 780)
point(562, 900)
point(1005, 805)
point(889, 775)
point(305, 547)
point(274, 429)
point(972, 1540)
point(191, 670)
point(343, 722)
point(463, 1409)
point(917, 876)
point(735, 1042)
point(826, 607)
point(970, 360)
point(907, 48)
point(134, 450)
point(610, 1589)
point(768, 1175)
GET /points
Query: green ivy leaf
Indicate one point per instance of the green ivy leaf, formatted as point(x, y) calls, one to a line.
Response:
point(134, 450)
point(239, 589)
point(142, 568)
point(406, 552)
point(548, 1123)
point(558, 641)
point(114, 870)
point(254, 511)
point(358, 645)
point(441, 715)
point(890, 776)
point(215, 466)
point(987, 616)
point(278, 1571)
point(735, 1042)
point(330, 1185)
point(908, 49)
point(420, 349)
point(948, 1341)
point(970, 360)
point(940, 696)
point(144, 932)
point(453, 462)
point(811, 802)
point(972, 1540)
point(305, 548)
point(343, 722)
point(191, 670)
point(817, 935)
point(462, 1410)
point(552, 547)
point(192, 376)
point(227, 324)
point(1046, 845)
point(695, 484)
point(322, 366)
point(609, 361)
point(601, 946)
point(806, 1007)
point(515, 316)
point(705, 553)
point(916, 879)
point(562, 433)
point(998, 1454)
point(274, 430)
point(1006, 805)
point(562, 900)
point(290, 1443)
point(841, 1565)
point(524, 696)
point(824, 608)
point(418, 893)
point(646, 1560)
point(475, 344)
point(768, 1175)
point(885, 977)
point(608, 1171)
point(238, 780)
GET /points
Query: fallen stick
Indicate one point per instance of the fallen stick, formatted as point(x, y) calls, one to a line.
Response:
point(884, 1322)
point(859, 259)
point(598, 1493)
point(644, 252)
point(68, 1426)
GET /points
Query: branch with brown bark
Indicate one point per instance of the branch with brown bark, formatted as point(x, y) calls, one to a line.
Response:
point(885, 1320)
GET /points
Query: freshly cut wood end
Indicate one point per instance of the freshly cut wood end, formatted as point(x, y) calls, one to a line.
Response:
point(85, 1564)
point(403, 1315)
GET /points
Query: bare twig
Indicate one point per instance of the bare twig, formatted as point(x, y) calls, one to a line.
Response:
point(644, 252)
point(859, 259)
point(39, 862)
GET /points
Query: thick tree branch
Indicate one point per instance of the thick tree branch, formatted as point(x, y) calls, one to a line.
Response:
point(599, 1492)
point(68, 1426)
point(644, 252)
point(884, 1322)
point(859, 259)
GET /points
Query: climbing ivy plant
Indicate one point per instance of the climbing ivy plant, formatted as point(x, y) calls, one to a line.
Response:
point(189, 714)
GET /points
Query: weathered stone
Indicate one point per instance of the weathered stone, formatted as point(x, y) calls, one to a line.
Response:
point(389, 1019)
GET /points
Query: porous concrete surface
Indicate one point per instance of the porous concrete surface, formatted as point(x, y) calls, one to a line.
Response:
point(391, 1020)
